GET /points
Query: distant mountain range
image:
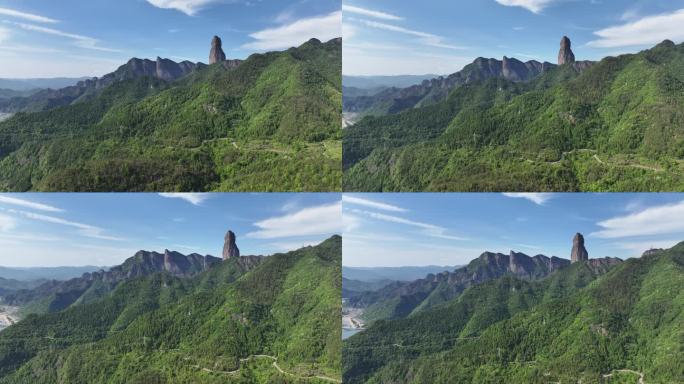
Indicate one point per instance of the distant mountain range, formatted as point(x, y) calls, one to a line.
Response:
point(513, 126)
point(371, 82)
point(268, 123)
point(32, 84)
point(541, 320)
point(191, 318)
point(407, 273)
point(46, 273)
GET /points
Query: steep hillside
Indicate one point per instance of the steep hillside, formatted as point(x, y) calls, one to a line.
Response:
point(614, 126)
point(278, 322)
point(575, 325)
point(270, 123)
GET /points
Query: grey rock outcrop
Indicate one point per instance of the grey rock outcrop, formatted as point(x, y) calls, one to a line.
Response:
point(216, 55)
point(565, 56)
point(230, 249)
point(579, 253)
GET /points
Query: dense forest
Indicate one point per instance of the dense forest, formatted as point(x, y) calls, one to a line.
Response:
point(610, 327)
point(270, 124)
point(278, 322)
point(616, 126)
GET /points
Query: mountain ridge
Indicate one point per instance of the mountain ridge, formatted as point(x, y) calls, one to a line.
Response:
point(576, 325)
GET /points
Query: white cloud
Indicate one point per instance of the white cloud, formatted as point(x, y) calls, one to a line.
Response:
point(7, 223)
point(645, 31)
point(370, 12)
point(26, 16)
point(318, 220)
point(5, 199)
point(4, 35)
point(664, 219)
point(286, 246)
point(428, 39)
point(372, 204)
point(189, 7)
point(428, 229)
point(192, 198)
point(83, 229)
point(79, 40)
point(639, 247)
point(324, 28)
point(537, 198)
point(534, 6)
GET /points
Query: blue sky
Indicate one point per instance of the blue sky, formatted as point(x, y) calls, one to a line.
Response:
point(74, 38)
point(390, 37)
point(104, 229)
point(452, 229)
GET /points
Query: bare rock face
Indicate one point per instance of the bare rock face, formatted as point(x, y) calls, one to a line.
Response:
point(216, 55)
point(230, 249)
point(579, 253)
point(565, 56)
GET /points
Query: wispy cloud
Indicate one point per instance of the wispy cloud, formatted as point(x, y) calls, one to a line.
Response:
point(372, 204)
point(192, 198)
point(318, 220)
point(83, 229)
point(428, 229)
point(534, 6)
point(7, 222)
point(425, 38)
point(370, 13)
point(645, 31)
point(5, 199)
point(537, 197)
point(323, 27)
point(26, 16)
point(79, 40)
point(189, 7)
point(659, 220)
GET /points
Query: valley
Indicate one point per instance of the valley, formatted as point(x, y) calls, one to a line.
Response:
point(8, 316)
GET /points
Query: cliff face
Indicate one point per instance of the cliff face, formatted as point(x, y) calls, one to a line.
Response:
point(216, 55)
point(579, 252)
point(230, 249)
point(565, 55)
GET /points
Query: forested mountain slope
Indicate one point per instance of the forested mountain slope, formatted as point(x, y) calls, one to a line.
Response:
point(614, 126)
point(575, 325)
point(276, 322)
point(270, 123)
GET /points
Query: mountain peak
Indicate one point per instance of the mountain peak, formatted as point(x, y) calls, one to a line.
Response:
point(565, 55)
point(230, 249)
point(579, 253)
point(216, 55)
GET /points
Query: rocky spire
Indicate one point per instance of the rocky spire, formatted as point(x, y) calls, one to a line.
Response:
point(579, 253)
point(565, 56)
point(216, 55)
point(229, 248)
